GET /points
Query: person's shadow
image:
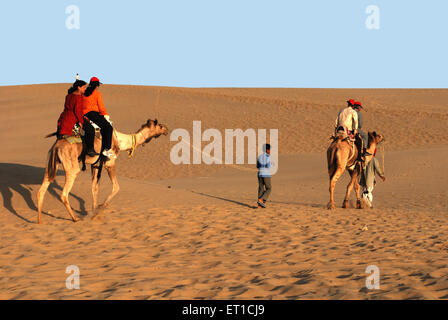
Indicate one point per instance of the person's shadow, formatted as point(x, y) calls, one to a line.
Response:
point(18, 177)
point(224, 199)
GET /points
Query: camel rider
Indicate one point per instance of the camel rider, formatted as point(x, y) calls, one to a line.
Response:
point(95, 111)
point(358, 106)
point(71, 118)
point(347, 120)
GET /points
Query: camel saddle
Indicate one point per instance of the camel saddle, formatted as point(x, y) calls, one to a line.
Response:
point(353, 140)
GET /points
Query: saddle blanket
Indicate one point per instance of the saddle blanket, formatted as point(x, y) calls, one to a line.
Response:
point(73, 139)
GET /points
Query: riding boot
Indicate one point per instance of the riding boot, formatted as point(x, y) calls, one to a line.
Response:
point(92, 153)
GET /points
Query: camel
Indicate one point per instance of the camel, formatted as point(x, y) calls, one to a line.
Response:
point(343, 154)
point(69, 156)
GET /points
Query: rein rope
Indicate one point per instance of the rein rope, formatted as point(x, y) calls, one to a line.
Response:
point(132, 150)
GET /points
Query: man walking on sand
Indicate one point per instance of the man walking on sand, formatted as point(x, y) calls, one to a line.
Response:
point(264, 176)
point(368, 179)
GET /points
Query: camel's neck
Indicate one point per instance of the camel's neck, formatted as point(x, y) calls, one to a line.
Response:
point(126, 141)
point(371, 150)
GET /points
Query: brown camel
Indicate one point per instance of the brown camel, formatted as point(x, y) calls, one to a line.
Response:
point(69, 154)
point(343, 154)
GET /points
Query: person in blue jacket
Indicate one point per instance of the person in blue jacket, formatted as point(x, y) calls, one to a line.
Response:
point(264, 176)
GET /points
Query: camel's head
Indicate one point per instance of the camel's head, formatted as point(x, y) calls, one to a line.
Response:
point(376, 137)
point(153, 129)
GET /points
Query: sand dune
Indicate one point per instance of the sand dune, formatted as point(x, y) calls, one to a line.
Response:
point(182, 232)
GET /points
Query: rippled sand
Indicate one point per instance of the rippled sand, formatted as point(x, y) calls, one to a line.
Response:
point(192, 232)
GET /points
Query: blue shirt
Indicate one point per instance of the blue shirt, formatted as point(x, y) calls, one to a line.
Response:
point(264, 165)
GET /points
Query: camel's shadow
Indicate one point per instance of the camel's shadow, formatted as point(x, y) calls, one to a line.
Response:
point(18, 178)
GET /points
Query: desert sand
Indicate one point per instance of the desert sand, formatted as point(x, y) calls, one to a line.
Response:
point(192, 231)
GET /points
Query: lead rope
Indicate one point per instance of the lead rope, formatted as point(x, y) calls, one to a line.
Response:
point(131, 152)
point(209, 155)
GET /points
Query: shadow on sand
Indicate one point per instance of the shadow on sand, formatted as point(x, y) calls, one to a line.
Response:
point(305, 204)
point(313, 205)
point(18, 178)
point(224, 199)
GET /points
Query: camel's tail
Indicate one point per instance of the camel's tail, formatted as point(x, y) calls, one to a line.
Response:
point(52, 163)
point(331, 163)
point(51, 135)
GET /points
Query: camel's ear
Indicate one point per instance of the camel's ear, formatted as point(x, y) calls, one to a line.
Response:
point(155, 122)
point(374, 133)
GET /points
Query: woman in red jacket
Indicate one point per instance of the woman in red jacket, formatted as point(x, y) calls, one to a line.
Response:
point(72, 113)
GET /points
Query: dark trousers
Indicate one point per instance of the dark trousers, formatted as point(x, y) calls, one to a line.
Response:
point(264, 187)
point(364, 137)
point(105, 129)
point(359, 142)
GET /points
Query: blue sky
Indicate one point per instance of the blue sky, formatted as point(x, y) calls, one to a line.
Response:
point(231, 43)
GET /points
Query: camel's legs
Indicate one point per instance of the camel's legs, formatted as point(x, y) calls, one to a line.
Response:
point(69, 160)
point(350, 186)
point(115, 186)
point(95, 185)
point(349, 190)
point(70, 178)
point(358, 197)
point(357, 189)
point(40, 196)
point(337, 174)
point(353, 184)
